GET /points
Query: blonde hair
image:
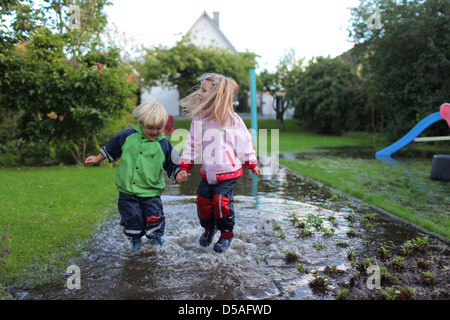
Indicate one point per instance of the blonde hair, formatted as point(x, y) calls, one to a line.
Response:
point(218, 105)
point(151, 114)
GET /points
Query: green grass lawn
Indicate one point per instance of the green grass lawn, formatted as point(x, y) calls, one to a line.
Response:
point(411, 196)
point(296, 140)
point(48, 214)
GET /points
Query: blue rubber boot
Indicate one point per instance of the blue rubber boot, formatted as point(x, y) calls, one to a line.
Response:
point(157, 241)
point(223, 244)
point(136, 241)
point(207, 238)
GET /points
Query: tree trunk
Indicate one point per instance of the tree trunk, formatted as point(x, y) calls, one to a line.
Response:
point(282, 125)
point(77, 154)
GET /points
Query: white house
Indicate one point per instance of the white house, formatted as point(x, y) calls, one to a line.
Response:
point(204, 33)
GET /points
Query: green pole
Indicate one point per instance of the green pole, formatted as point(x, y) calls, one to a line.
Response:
point(253, 105)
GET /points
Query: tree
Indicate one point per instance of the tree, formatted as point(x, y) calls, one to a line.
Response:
point(62, 87)
point(281, 84)
point(406, 62)
point(183, 64)
point(327, 97)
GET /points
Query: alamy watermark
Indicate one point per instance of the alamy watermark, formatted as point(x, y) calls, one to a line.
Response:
point(74, 17)
point(219, 146)
point(374, 279)
point(374, 21)
point(74, 281)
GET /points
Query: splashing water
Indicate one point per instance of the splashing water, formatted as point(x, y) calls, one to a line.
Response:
point(254, 267)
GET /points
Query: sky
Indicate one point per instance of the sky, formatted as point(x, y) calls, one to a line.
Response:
point(268, 28)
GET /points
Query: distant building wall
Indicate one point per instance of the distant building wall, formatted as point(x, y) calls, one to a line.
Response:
point(267, 108)
point(168, 97)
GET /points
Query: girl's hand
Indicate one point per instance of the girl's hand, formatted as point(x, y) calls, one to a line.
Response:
point(256, 171)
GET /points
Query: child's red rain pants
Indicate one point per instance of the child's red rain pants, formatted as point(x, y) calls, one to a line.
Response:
point(215, 205)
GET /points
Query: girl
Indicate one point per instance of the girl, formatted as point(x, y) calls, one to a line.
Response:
point(219, 137)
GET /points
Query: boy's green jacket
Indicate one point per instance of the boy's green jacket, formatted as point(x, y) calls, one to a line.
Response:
point(142, 162)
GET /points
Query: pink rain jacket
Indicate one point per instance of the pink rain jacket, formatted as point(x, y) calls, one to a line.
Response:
point(222, 151)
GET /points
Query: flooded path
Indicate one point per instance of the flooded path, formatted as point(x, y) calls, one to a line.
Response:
point(255, 266)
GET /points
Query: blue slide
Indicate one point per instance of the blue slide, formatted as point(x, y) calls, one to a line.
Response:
point(410, 136)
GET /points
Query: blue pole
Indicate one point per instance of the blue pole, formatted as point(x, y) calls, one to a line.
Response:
point(254, 125)
point(253, 105)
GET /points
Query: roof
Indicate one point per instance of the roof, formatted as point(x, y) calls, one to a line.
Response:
point(217, 36)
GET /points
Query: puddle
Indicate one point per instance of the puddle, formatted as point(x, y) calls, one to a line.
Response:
point(354, 152)
point(253, 268)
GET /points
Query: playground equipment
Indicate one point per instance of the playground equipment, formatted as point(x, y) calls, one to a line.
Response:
point(440, 168)
point(443, 114)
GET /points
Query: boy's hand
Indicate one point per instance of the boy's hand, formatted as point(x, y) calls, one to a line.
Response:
point(96, 159)
point(256, 170)
point(90, 160)
point(182, 176)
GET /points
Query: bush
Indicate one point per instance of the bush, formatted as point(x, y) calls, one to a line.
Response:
point(60, 104)
point(331, 98)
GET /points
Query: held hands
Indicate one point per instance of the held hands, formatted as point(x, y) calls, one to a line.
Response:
point(182, 176)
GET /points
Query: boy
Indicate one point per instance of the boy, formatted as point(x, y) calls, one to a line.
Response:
point(144, 154)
